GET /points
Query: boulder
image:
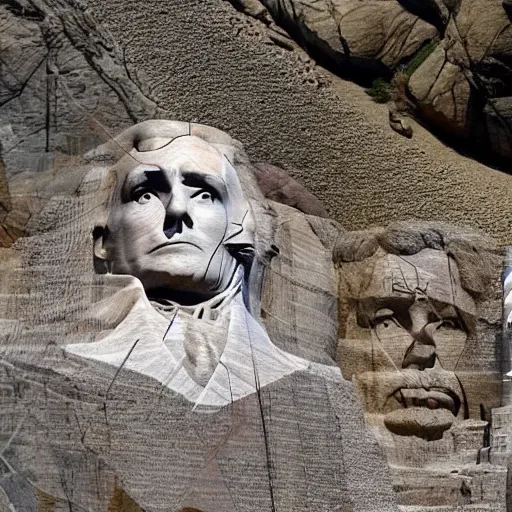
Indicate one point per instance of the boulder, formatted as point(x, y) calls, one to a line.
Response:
point(460, 86)
point(441, 89)
point(371, 36)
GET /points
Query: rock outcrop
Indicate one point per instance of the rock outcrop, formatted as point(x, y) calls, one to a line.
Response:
point(277, 185)
point(463, 87)
point(456, 54)
point(373, 37)
point(63, 84)
point(73, 72)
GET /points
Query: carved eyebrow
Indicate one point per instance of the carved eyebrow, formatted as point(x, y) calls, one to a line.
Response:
point(138, 177)
point(157, 179)
point(383, 313)
point(444, 309)
point(206, 181)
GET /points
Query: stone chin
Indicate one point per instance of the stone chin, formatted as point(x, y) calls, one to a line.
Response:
point(179, 278)
point(183, 266)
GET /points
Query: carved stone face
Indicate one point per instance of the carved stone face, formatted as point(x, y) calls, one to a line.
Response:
point(406, 329)
point(170, 221)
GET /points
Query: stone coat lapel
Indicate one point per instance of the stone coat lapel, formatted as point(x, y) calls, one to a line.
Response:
point(148, 343)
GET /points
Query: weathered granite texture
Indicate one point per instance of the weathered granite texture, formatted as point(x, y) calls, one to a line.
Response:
point(221, 67)
point(456, 55)
point(55, 100)
point(277, 185)
point(95, 433)
point(73, 73)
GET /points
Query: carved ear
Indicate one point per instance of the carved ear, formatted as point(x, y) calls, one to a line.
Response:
point(101, 262)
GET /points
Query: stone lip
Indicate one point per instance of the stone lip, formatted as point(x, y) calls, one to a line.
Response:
point(172, 243)
point(420, 422)
point(431, 398)
point(424, 412)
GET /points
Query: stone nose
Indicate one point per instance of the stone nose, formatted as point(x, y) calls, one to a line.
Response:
point(421, 354)
point(176, 213)
point(177, 206)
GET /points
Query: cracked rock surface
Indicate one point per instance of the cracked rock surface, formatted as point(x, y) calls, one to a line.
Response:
point(464, 85)
point(60, 73)
point(74, 72)
point(458, 55)
point(369, 35)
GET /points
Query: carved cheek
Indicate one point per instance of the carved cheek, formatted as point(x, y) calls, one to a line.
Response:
point(450, 344)
point(132, 226)
point(150, 215)
point(393, 339)
point(138, 220)
point(211, 220)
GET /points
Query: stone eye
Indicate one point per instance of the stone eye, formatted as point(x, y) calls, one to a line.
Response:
point(384, 317)
point(143, 196)
point(385, 322)
point(451, 323)
point(204, 195)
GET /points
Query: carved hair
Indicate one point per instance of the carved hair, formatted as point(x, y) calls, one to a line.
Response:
point(474, 253)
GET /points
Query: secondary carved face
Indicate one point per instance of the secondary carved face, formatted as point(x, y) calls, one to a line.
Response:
point(406, 330)
point(170, 221)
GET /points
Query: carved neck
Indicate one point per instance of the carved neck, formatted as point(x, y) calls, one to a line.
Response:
point(210, 309)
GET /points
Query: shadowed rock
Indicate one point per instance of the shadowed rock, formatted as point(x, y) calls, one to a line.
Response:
point(278, 185)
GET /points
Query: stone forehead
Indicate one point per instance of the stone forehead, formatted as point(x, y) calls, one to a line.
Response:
point(191, 151)
point(153, 134)
point(429, 270)
point(185, 143)
point(181, 153)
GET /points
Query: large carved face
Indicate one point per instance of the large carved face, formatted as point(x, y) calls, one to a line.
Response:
point(407, 326)
point(172, 219)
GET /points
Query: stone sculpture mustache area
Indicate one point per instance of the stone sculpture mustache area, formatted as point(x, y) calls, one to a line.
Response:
point(195, 365)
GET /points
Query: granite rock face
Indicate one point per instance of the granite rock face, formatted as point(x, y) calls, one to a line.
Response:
point(260, 87)
point(97, 427)
point(73, 74)
point(63, 82)
point(457, 56)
